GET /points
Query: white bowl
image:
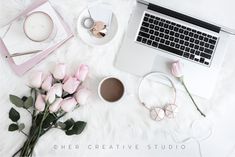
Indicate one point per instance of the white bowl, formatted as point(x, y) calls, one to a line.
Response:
point(87, 37)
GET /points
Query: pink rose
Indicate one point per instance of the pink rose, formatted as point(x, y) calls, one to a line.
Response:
point(59, 71)
point(56, 90)
point(44, 97)
point(57, 87)
point(82, 95)
point(40, 103)
point(82, 72)
point(68, 104)
point(177, 69)
point(56, 105)
point(71, 85)
point(65, 78)
point(36, 79)
point(50, 97)
point(46, 85)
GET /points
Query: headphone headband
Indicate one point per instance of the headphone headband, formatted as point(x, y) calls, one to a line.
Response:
point(159, 74)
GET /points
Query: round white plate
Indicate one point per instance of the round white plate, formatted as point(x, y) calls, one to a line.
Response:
point(87, 37)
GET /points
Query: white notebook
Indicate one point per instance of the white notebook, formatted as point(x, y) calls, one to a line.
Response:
point(17, 42)
point(101, 13)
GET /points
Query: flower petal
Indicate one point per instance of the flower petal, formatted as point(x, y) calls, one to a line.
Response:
point(59, 71)
point(40, 103)
point(36, 79)
point(82, 72)
point(177, 69)
point(68, 104)
point(71, 85)
point(58, 89)
point(82, 95)
point(46, 85)
point(56, 105)
point(50, 97)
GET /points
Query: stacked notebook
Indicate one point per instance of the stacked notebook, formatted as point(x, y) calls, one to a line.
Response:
point(14, 41)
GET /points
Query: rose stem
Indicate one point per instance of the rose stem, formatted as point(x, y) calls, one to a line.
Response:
point(192, 98)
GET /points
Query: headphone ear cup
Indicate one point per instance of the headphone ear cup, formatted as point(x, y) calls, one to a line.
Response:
point(171, 110)
point(157, 113)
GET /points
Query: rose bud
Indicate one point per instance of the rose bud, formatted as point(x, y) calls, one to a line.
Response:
point(82, 72)
point(56, 105)
point(71, 85)
point(44, 97)
point(40, 103)
point(177, 69)
point(82, 95)
point(65, 78)
point(50, 97)
point(57, 89)
point(36, 79)
point(59, 71)
point(68, 104)
point(46, 85)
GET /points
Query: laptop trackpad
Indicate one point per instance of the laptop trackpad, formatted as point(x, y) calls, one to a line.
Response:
point(162, 64)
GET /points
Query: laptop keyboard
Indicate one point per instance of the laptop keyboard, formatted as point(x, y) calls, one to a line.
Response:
point(177, 39)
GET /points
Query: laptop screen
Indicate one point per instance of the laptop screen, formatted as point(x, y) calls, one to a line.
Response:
point(218, 12)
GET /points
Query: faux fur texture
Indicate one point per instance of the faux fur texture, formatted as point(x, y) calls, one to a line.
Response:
point(126, 123)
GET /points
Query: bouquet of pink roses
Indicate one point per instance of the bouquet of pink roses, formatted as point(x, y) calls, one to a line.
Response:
point(51, 97)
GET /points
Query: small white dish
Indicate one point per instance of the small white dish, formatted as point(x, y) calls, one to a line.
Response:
point(87, 37)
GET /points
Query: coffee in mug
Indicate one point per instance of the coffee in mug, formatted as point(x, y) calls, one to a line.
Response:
point(111, 89)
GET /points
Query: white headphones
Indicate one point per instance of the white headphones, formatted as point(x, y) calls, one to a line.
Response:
point(158, 113)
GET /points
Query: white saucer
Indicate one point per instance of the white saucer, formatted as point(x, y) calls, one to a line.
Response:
point(87, 37)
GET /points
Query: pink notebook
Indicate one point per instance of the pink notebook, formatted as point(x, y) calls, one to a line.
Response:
point(10, 42)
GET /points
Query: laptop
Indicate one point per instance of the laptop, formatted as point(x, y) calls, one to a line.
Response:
point(157, 36)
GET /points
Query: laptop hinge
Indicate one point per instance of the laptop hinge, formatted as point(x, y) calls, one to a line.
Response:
point(183, 17)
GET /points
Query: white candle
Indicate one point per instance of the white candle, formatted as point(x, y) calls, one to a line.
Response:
point(38, 26)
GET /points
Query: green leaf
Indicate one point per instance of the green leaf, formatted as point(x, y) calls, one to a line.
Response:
point(77, 128)
point(69, 123)
point(13, 127)
point(16, 101)
point(21, 126)
point(48, 121)
point(29, 102)
point(14, 115)
point(24, 98)
point(70, 132)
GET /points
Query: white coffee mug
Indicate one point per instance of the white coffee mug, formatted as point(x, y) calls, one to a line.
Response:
point(111, 89)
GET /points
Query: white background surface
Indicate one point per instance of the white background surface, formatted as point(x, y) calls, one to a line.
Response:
point(125, 123)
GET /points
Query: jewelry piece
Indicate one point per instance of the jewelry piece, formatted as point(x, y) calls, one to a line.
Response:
point(158, 113)
point(88, 23)
point(97, 28)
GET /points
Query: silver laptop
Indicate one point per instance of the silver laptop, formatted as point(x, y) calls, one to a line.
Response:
point(157, 36)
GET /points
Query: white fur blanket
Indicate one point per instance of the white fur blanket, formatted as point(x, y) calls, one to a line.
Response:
point(122, 129)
